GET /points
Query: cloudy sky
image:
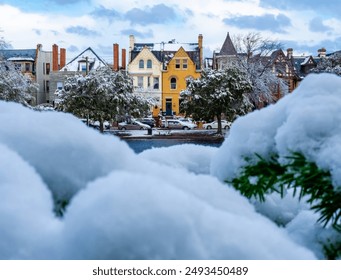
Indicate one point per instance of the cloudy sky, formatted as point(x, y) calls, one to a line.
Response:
point(304, 25)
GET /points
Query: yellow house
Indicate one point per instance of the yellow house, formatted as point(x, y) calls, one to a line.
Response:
point(179, 68)
point(160, 70)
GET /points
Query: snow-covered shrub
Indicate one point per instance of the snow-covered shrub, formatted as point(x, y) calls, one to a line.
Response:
point(293, 143)
point(305, 178)
point(61, 149)
point(121, 205)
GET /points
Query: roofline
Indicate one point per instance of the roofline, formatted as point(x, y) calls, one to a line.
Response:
point(88, 49)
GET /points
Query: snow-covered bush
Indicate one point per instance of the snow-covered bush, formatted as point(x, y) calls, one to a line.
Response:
point(57, 146)
point(295, 143)
point(121, 205)
point(14, 86)
point(101, 95)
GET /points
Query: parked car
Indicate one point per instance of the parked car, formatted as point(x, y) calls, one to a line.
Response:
point(96, 124)
point(214, 125)
point(148, 121)
point(106, 124)
point(186, 120)
point(176, 124)
point(134, 125)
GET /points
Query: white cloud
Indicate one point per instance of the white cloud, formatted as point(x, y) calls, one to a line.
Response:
point(108, 18)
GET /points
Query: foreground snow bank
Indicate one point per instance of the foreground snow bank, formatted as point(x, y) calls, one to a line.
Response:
point(60, 148)
point(192, 157)
point(308, 122)
point(121, 205)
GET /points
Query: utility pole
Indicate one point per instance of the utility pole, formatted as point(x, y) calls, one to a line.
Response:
point(87, 65)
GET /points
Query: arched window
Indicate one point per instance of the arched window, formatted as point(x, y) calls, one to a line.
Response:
point(149, 63)
point(141, 64)
point(173, 83)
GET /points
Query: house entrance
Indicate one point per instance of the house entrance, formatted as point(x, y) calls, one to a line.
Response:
point(168, 106)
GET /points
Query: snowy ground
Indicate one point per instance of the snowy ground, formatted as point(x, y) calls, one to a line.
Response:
point(165, 203)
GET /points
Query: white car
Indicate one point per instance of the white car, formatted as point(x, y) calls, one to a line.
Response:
point(214, 125)
point(133, 126)
point(176, 124)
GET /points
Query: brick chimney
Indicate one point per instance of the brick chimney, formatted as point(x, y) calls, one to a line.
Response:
point(200, 45)
point(290, 52)
point(62, 57)
point(124, 59)
point(322, 52)
point(116, 55)
point(55, 58)
point(131, 45)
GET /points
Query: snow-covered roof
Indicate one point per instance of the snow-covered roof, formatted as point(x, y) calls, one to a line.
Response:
point(166, 46)
point(20, 59)
point(305, 60)
point(13, 54)
point(88, 55)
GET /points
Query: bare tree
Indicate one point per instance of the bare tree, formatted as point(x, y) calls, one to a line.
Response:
point(3, 44)
point(256, 57)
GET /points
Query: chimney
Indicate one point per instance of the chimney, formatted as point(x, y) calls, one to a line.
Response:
point(322, 52)
point(200, 39)
point(62, 57)
point(123, 59)
point(115, 50)
point(290, 52)
point(131, 45)
point(55, 58)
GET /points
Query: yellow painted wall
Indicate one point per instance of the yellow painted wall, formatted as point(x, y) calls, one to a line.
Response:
point(178, 71)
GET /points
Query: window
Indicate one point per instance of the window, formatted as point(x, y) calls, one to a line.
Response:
point(148, 81)
point(184, 63)
point(177, 63)
point(149, 63)
point(59, 85)
point(47, 86)
point(47, 65)
point(141, 64)
point(140, 81)
point(156, 83)
point(82, 67)
point(17, 66)
point(27, 67)
point(173, 83)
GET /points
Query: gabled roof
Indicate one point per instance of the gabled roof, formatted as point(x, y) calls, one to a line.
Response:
point(153, 54)
point(16, 55)
point(228, 47)
point(89, 54)
point(164, 52)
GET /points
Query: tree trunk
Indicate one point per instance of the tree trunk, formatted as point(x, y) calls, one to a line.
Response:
point(101, 125)
point(219, 131)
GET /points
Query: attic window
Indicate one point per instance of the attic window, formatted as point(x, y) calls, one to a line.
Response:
point(141, 64)
point(149, 63)
point(177, 63)
point(184, 63)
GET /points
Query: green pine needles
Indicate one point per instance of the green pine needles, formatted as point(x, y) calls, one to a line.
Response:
point(304, 177)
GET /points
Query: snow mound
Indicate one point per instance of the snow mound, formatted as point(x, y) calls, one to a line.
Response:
point(194, 158)
point(60, 148)
point(126, 219)
point(27, 223)
point(307, 121)
point(122, 206)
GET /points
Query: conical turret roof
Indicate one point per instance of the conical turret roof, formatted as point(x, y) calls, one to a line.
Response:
point(228, 47)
